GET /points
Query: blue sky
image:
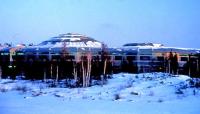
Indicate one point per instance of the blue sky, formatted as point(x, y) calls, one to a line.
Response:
point(114, 22)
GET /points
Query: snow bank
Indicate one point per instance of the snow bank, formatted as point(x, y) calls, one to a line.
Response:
point(122, 94)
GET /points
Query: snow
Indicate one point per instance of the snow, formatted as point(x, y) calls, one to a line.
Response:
point(71, 44)
point(148, 93)
point(159, 47)
point(71, 39)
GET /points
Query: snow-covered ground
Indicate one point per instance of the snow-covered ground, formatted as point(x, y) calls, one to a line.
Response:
point(149, 93)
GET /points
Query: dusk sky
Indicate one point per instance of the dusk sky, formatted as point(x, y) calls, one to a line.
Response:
point(114, 22)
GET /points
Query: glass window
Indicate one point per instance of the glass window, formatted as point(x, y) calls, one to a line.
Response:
point(144, 57)
point(131, 57)
point(72, 57)
point(118, 57)
point(160, 58)
point(184, 58)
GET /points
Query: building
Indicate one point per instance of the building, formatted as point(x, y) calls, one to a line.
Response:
point(150, 57)
point(64, 50)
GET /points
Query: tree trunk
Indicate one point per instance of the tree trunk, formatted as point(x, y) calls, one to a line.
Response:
point(51, 68)
point(45, 74)
point(75, 72)
point(57, 74)
point(104, 68)
point(0, 73)
point(83, 74)
point(88, 71)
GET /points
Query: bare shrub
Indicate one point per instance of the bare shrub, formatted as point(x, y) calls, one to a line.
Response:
point(22, 89)
point(161, 82)
point(35, 94)
point(134, 93)
point(179, 91)
point(3, 89)
point(160, 100)
point(194, 92)
point(195, 82)
point(130, 82)
point(117, 97)
point(149, 87)
point(149, 78)
point(58, 95)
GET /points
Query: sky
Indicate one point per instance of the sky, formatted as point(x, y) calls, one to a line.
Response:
point(173, 23)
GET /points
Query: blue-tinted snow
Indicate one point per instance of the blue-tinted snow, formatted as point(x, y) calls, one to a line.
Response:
point(150, 93)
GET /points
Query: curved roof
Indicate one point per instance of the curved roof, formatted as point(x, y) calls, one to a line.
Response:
point(71, 40)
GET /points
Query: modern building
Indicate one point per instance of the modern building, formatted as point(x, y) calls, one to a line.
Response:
point(131, 57)
point(152, 57)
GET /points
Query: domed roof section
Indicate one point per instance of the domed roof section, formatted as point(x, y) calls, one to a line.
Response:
point(71, 40)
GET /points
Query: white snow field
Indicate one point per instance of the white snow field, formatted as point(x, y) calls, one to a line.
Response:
point(148, 93)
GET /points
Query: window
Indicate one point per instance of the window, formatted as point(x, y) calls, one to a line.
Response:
point(131, 57)
point(184, 59)
point(44, 53)
point(144, 57)
point(55, 56)
point(160, 58)
point(72, 57)
point(193, 59)
point(143, 63)
point(118, 57)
